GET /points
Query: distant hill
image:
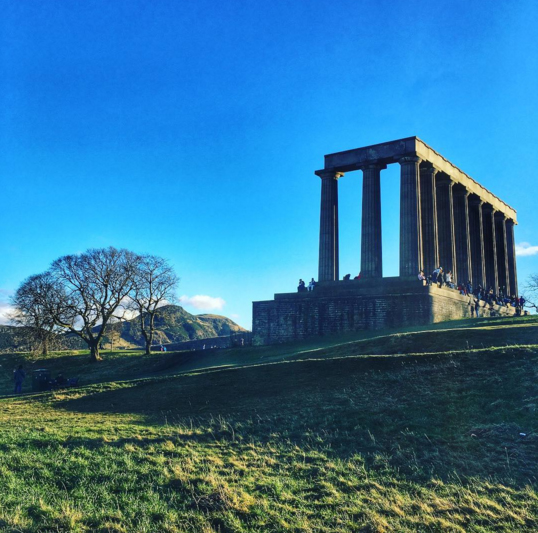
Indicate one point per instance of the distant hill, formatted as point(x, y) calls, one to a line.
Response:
point(173, 324)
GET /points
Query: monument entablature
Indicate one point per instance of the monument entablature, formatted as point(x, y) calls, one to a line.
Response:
point(390, 152)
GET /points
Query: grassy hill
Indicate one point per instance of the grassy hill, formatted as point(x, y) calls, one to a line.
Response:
point(419, 430)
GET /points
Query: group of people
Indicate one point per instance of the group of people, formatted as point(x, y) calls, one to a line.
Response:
point(489, 296)
point(19, 375)
point(439, 277)
point(304, 288)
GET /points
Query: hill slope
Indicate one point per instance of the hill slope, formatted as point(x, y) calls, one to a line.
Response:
point(305, 437)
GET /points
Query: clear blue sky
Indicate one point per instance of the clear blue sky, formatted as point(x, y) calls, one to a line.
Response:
point(192, 129)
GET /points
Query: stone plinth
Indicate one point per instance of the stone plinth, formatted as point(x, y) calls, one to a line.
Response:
point(338, 307)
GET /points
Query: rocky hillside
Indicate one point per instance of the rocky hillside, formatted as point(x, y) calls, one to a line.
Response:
point(173, 324)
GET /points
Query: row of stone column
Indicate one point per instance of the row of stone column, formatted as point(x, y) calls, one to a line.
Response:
point(441, 224)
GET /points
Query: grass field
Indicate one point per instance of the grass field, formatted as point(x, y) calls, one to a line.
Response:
point(409, 431)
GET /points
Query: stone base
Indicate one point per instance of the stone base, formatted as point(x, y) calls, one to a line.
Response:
point(344, 306)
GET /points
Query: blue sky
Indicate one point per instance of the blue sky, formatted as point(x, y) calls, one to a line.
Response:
point(191, 130)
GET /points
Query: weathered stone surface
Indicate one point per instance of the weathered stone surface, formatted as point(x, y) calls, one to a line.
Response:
point(328, 233)
point(511, 250)
point(391, 151)
point(346, 308)
point(371, 247)
point(410, 224)
point(428, 208)
point(490, 247)
point(445, 222)
point(502, 252)
point(461, 234)
point(476, 231)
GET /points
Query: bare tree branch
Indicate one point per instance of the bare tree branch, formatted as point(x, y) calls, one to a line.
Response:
point(155, 285)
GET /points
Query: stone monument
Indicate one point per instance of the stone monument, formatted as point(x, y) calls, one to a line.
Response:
point(446, 218)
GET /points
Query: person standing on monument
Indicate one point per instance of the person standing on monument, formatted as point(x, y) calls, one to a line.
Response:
point(440, 277)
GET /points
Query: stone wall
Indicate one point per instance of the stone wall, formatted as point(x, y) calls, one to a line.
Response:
point(344, 308)
point(243, 338)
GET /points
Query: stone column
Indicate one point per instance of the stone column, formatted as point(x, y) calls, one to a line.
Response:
point(428, 208)
point(511, 253)
point(476, 233)
point(490, 247)
point(461, 233)
point(328, 227)
point(502, 252)
point(410, 224)
point(371, 248)
point(445, 224)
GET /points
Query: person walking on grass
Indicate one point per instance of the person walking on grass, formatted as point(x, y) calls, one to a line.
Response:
point(18, 377)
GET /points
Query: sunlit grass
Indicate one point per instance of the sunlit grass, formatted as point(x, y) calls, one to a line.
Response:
point(331, 440)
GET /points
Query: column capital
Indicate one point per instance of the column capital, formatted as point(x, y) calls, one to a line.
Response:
point(499, 215)
point(432, 171)
point(443, 179)
point(409, 159)
point(510, 222)
point(475, 200)
point(461, 190)
point(328, 174)
point(488, 208)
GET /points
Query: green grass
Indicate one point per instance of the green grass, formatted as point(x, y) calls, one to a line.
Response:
point(345, 434)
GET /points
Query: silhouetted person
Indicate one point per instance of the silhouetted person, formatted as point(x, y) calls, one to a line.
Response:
point(18, 377)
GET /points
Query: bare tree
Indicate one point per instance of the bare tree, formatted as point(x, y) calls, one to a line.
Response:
point(155, 284)
point(531, 292)
point(31, 310)
point(91, 289)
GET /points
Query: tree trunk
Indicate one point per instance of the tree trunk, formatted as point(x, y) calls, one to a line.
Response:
point(45, 347)
point(151, 330)
point(149, 340)
point(94, 353)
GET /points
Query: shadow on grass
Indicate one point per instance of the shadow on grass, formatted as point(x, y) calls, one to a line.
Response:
point(431, 414)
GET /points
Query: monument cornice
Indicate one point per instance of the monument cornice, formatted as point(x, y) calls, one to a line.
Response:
point(390, 152)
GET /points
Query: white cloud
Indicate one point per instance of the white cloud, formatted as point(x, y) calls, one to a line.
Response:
point(525, 249)
point(202, 301)
point(5, 308)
